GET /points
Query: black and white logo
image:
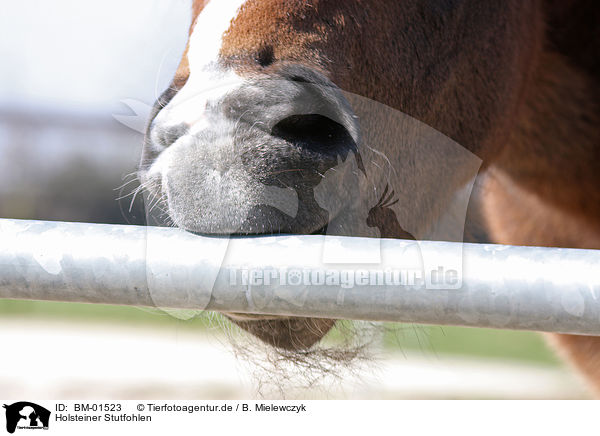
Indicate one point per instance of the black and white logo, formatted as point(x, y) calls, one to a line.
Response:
point(26, 415)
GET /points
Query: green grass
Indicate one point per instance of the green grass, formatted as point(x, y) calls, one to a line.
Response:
point(95, 313)
point(488, 343)
point(429, 340)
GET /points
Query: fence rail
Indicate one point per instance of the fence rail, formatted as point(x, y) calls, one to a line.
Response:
point(510, 287)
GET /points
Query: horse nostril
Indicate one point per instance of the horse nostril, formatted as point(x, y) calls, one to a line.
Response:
point(167, 135)
point(265, 56)
point(313, 132)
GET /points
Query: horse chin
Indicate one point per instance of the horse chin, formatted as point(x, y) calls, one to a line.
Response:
point(285, 333)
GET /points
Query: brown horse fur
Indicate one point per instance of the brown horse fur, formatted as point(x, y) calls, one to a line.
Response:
point(514, 81)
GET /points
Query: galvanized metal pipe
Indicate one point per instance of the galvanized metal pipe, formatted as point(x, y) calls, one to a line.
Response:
point(526, 288)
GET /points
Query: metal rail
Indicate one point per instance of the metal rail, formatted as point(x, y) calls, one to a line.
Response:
point(524, 288)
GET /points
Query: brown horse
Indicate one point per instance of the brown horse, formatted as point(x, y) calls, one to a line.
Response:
point(513, 81)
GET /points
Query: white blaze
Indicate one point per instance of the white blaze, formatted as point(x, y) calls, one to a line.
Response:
point(206, 38)
point(207, 82)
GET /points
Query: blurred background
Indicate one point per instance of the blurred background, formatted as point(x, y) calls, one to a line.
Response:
point(70, 70)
